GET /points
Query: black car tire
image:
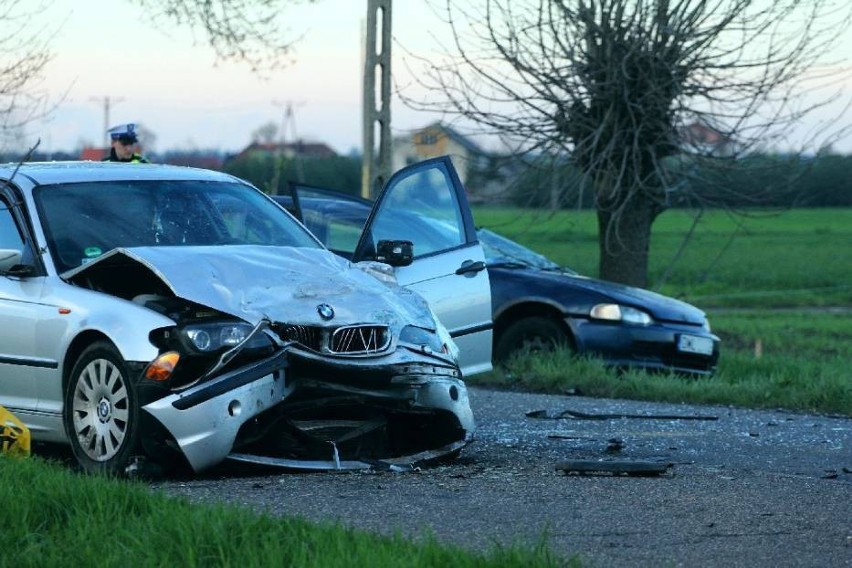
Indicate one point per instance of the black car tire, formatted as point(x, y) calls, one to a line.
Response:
point(101, 411)
point(529, 334)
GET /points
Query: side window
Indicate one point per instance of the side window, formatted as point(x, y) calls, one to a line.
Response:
point(11, 241)
point(343, 234)
point(338, 234)
point(421, 208)
point(317, 224)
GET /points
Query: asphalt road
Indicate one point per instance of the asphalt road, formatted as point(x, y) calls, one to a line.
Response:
point(744, 488)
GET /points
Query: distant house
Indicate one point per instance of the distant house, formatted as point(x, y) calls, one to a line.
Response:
point(435, 140)
point(484, 175)
point(703, 138)
point(298, 149)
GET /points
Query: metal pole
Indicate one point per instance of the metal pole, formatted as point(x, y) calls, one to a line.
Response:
point(376, 169)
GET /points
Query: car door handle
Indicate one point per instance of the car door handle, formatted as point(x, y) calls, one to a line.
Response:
point(470, 266)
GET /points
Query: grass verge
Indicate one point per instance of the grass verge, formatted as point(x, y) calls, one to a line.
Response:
point(52, 517)
point(791, 360)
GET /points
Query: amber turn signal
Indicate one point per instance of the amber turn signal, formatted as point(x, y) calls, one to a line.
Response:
point(161, 368)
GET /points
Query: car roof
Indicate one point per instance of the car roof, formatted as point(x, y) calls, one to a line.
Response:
point(41, 173)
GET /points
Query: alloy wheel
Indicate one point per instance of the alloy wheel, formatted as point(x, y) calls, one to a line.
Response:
point(101, 408)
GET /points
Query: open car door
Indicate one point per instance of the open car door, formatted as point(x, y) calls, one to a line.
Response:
point(425, 204)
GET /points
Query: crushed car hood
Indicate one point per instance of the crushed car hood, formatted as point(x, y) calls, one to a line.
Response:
point(278, 283)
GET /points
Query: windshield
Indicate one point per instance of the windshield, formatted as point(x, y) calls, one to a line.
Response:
point(500, 250)
point(84, 220)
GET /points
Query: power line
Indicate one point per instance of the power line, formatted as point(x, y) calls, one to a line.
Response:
point(288, 119)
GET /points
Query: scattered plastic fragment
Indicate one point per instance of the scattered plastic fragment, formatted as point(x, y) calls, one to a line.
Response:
point(619, 467)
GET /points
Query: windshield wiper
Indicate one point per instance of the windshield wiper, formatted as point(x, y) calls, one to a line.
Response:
point(507, 264)
point(562, 269)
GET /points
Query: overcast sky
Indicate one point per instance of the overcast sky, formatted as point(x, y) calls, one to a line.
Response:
point(174, 87)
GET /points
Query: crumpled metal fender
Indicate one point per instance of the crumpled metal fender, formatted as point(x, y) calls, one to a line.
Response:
point(426, 380)
point(206, 418)
point(120, 320)
point(444, 394)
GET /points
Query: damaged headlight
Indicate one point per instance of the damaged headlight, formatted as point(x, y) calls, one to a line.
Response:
point(422, 337)
point(208, 337)
point(626, 314)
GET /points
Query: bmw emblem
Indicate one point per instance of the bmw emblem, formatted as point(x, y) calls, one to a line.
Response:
point(325, 311)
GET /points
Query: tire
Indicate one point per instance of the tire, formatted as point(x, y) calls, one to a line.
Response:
point(101, 411)
point(529, 335)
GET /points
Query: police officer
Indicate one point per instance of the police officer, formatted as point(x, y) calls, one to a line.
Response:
point(123, 141)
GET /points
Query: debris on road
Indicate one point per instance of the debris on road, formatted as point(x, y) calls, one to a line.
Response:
point(619, 467)
point(544, 415)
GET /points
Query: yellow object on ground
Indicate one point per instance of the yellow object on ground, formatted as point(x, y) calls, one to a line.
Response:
point(14, 436)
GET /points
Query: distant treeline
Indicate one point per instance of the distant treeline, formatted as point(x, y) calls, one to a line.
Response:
point(266, 171)
point(753, 181)
point(272, 173)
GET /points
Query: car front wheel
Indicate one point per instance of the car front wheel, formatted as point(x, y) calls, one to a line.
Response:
point(101, 411)
point(529, 335)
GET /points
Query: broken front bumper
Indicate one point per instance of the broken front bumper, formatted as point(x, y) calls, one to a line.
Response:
point(417, 411)
point(206, 418)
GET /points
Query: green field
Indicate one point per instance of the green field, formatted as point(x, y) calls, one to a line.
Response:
point(801, 257)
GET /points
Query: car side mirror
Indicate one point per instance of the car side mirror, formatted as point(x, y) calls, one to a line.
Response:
point(395, 253)
point(9, 260)
point(19, 271)
point(17, 263)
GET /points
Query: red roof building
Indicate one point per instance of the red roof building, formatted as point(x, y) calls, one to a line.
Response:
point(290, 149)
point(92, 154)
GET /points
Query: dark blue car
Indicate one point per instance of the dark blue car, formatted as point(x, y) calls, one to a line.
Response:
point(536, 303)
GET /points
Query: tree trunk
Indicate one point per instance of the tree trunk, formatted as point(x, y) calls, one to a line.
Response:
point(624, 240)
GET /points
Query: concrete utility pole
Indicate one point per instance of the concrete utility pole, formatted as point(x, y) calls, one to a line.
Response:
point(375, 170)
point(107, 101)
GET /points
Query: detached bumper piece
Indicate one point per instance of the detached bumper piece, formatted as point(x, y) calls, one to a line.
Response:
point(400, 464)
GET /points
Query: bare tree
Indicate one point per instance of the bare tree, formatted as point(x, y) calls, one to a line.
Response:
point(23, 56)
point(266, 133)
point(250, 31)
point(630, 90)
point(147, 138)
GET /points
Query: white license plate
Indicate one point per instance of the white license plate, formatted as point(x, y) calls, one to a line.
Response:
point(695, 344)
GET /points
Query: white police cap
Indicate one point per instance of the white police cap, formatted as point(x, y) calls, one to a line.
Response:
point(123, 131)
